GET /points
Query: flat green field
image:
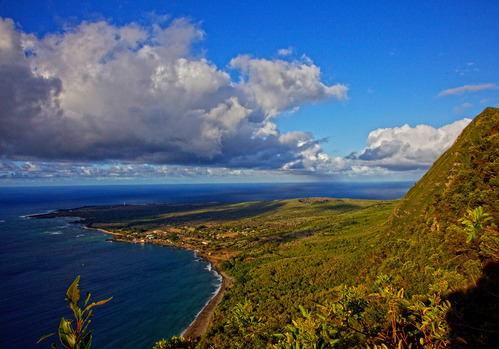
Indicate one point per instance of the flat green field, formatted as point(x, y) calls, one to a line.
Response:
point(252, 228)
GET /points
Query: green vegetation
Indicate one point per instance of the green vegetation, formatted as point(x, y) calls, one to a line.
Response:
point(175, 343)
point(305, 267)
point(382, 319)
point(424, 228)
point(421, 272)
point(76, 337)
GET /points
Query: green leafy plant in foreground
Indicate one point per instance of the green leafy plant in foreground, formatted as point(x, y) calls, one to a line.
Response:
point(474, 221)
point(475, 225)
point(71, 337)
point(175, 343)
point(244, 324)
point(385, 319)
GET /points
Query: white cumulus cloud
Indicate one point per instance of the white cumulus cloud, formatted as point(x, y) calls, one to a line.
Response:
point(137, 94)
point(279, 85)
point(408, 148)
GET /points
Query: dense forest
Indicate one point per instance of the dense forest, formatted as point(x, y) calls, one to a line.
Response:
point(420, 272)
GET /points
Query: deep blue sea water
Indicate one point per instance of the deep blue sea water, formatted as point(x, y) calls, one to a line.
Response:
point(157, 291)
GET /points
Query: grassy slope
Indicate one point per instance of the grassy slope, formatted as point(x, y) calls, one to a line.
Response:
point(423, 233)
point(277, 277)
point(470, 165)
point(424, 244)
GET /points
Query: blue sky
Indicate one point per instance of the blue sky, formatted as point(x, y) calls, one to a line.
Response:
point(215, 91)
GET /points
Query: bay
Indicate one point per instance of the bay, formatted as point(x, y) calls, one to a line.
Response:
point(157, 291)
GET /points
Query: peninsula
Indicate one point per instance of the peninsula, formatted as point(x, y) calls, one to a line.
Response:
point(220, 233)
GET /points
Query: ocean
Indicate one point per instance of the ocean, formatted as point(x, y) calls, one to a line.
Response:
point(157, 291)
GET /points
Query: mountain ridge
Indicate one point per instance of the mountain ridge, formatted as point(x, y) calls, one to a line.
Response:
point(486, 124)
point(463, 178)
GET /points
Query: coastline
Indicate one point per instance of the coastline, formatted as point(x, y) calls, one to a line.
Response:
point(101, 230)
point(200, 325)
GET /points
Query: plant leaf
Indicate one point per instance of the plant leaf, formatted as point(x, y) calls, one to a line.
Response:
point(47, 335)
point(98, 303)
point(73, 291)
point(86, 299)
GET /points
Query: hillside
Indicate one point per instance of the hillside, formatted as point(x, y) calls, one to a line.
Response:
point(465, 176)
point(424, 242)
point(417, 263)
point(424, 227)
